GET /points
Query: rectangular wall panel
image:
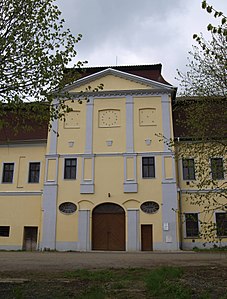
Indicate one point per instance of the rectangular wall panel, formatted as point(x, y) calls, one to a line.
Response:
point(168, 162)
point(51, 170)
point(130, 168)
point(87, 169)
point(22, 173)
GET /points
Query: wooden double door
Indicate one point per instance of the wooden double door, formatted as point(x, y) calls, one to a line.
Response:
point(108, 227)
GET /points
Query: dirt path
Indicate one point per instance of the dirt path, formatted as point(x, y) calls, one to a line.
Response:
point(62, 261)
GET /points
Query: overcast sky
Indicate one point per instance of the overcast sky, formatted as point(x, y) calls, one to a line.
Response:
point(132, 32)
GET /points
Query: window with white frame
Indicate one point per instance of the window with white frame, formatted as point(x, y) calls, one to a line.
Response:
point(221, 224)
point(148, 167)
point(188, 169)
point(217, 168)
point(8, 169)
point(192, 225)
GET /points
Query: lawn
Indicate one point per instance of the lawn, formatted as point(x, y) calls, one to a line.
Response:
point(132, 283)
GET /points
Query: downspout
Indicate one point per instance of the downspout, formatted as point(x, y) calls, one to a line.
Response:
point(180, 230)
point(180, 219)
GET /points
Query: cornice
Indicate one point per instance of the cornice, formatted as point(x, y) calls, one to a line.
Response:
point(28, 143)
point(20, 193)
point(121, 93)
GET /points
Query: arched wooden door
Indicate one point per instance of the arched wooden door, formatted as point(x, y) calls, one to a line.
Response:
point(108, 227)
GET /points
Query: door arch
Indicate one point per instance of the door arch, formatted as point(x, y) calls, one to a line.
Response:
point(108, 227)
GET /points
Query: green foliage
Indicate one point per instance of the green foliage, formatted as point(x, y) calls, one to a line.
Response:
point(207, 63)
point(34, 51)
point(207, 69)
point(217, 14)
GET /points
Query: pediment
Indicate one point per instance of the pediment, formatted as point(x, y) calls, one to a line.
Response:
point(114, 80)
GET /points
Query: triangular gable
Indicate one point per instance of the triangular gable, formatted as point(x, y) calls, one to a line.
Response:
point(115, 80)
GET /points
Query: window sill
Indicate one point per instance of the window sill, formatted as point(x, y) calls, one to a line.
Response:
point(218, 180)
point(69, 179)
point(189, 180)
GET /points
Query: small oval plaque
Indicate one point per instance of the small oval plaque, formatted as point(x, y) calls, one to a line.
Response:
point(150, 207)
point(67, 207)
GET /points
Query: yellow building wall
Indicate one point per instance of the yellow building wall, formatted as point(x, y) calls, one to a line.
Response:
point(67, 227)
point(67, 224)
point(147, 123)
point(111, 82)
point(130, 174)
point(72, 131)
point(198, 196)
point(21, 155)
point(168, 167)
point(88, 164)
point(17, 212)
point(109, 179)
point(110, 143)
point(116, 135)
point(113, 170)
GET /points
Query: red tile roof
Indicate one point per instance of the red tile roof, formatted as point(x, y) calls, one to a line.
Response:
point(27, 130)
point(152, 72)
point(214, 116)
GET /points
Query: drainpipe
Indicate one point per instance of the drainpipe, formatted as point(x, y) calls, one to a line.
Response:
point(179, 192)
point(180, 218)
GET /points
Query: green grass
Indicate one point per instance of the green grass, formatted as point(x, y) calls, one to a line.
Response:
point(164, 283)
point(132, 283)
point(213, 249)
point(18, 293)
point(102, 275)
point(93, 293)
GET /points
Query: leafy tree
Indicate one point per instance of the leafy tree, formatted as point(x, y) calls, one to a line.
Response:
point(34, 51)
point(202, 112)
point(207, 68)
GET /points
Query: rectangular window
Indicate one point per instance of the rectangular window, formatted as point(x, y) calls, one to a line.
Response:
point(70, 169)
point(217, 168)
point(192, 225)
point(221, 224)
point(34, 170)
point(4, 231)
point(188, 169)
point(148, 167)
point(8, 169)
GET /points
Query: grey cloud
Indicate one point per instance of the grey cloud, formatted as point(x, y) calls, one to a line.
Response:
point(145, 31)
point(115, 21)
